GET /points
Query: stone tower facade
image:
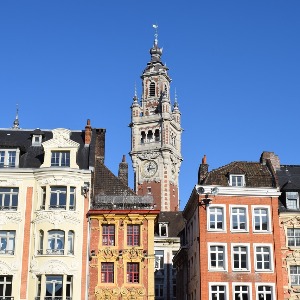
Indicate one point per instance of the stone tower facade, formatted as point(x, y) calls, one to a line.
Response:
point(156, 136)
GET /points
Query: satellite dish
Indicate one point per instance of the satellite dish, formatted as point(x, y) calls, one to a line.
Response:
point(215, 191)
point(200, 190)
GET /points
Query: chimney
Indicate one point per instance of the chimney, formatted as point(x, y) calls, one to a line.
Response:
point(100, 144)
point(88, 133)
point(272, 158)
point(123, 171)
point(203, 170)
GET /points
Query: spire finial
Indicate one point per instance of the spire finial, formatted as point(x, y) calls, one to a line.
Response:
point(176, 106)
point(155, 26)
point(16, 121)
point(135, 92)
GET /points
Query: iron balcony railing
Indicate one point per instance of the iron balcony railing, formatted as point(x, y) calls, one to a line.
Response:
point(54, 252)
point(52, 298)
point(57, 207)
point(8, 207)
point(7, 252)
point(6, 298)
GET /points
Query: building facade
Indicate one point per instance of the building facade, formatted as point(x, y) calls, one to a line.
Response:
point(44, 197)
point(231, 242)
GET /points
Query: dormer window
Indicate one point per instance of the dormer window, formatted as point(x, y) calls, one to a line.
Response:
point(292, 200)
point(60, 159)
point(9, 158)
point(237, 180)
point(163, 229)
point(36, 140)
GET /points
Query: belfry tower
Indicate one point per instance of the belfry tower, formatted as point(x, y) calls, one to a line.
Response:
point(156, 136)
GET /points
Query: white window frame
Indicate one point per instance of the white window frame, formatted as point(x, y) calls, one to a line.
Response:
point(225, 284)
point(231, 207)
point(272, 285)
point(60, 158)
point(6, 282)
point(294, 237)
point(292, 196)
point(216, 269)
point(159, 259)
point(8, 237)
point(297, 274)
point(269, 225)
point(36, 140)
point(248, 268)
point(163, 225)
point(232, 181)
point(223, 207)
point(8, 193)
point(270, 246)
point(248, 284)
point(6, 158)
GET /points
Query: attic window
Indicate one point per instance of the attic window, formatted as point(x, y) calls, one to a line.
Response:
point(60, 159)
point(292, 200)
point(152, 89)
point(36, 140)
point(237, 180)
point(9, 158)
point(163, 229)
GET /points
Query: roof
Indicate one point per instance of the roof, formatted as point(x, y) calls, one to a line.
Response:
point(256, 174)
point(175, 222)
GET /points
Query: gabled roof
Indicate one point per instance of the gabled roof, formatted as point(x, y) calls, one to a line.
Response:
point(289, 177)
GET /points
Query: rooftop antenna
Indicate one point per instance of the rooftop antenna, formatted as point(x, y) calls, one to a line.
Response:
point(155, 26)
point(16, 121)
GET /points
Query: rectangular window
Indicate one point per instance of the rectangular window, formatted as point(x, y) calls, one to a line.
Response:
point(240, 255)
point(5, 287)
point(133, 235)
point(292, 200)
point(7, 242)
point(216, 218)
point(108, 235)
point(132, 273)
point(239, 219)
point(107, 272)
point(159, 259)
point(218, 292)
point(263, 258)
point(58, 197)
point(54, 286)
point(217, 257)
point(241, 292)
point(9, 198)
point(295, 275)
point(60, 159)
point(293, 236)
point(261, 219)
point(72, 198)
point(9, 158)
point(159, 287)
point(56, 242)
point(237, 180)
point(265, 292)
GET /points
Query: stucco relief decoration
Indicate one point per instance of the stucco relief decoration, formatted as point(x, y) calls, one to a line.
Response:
point(57, 217)
point(54, 267)
point(57, 180)
point(9, 217)
point(108, 253)
point(132, 253)
point(293, 221)
point(294, 255)
point(8, 269)
point(61, 139)
point(9, 183)
point(106, 293)
point(131, 293)
point(148, 155)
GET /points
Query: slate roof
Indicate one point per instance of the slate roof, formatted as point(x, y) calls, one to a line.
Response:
point(175, 222)
point(256, 174)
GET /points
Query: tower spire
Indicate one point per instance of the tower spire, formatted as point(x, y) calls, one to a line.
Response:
point(155, 26)
point(16, 121)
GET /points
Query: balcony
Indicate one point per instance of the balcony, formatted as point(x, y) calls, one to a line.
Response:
point(51, 298)
point(8, 207)
point(54, 252)
point(56, 207)
point(6, 298)
point(7, 252)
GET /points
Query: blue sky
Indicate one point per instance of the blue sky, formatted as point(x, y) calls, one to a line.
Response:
point(234, 63)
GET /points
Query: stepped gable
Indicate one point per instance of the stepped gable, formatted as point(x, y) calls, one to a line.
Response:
point(256, 174)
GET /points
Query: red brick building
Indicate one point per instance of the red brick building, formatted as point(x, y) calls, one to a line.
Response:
point(231, 242)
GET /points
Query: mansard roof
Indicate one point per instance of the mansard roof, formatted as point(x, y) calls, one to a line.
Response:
point(256, 174)
point(175, 222)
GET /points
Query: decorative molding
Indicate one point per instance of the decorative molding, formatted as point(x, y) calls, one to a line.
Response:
point(293, 221)
point(10, 182)
point(148, 155)
point(56, 217)
point(108, 253)
point(61, 139)
point(10, 217)
point(59, 180)
point(103, 293)
point(293, 255)
point(9, 269)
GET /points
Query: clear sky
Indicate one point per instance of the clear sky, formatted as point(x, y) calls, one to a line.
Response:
point(234, 63)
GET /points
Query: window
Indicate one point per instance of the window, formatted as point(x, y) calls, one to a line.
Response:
point(265, 292)
point(216, 218)
point(36, 140)
point(159, 259)
point(56, 242)
point(108, 235)
point(239, 219)
point(237, 180)
point(133, 235)
point(295, 275)
point(55, 287)
point(218, 292)
point(261, 219)
point(132, 273)
point(7, 242)
point(163, 229)
point(293, 237)
point(9, 158)
point(292, 200)
point(72, 198)
point(9, 198)
point(5, 287)
point(157, 135)
point(107, 272)
point(263, 258)
point(41, 242)
point(71, 242)
point(152, 89)
point(60, 159)
point(241, 292)
point(240, 256)
point(58, 197)
point(159, 287)
point(217, 256)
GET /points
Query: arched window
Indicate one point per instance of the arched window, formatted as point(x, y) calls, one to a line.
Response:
point(56, 242)
point(150, 136)
point(156, 134)
point(143, 137)
point(152, 89)
point(71, 242)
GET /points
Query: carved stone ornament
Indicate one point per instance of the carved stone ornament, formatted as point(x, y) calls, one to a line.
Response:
point(10, 217)
point(106, 293)
point(293, 255)
point(8, 269)
point(9, 182)
point(133, 253)
point(108, 253)
point(148, 155)
point(132, 293)
point(291, 222)
point(57, 217)
point(54, 266)
point(61, 139)
point(59, 180)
